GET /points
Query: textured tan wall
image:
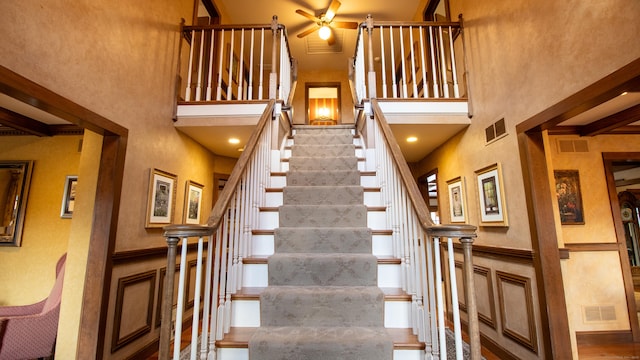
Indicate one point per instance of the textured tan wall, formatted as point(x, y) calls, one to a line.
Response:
point(594, 278)
point(118, 59)
point(523, 57)
point(27, 273)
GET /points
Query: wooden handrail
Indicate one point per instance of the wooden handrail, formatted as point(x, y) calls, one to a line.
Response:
point(222, 204)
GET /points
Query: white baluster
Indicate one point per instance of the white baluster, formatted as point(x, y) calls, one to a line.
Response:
point(260, 78)
point(434, 73)
point(219, 89)
point(200, 61)
point(210, 76)
point(177, 336)
point(454, 300)
point(413, 64)
point(443, 65)
point(196, 302)
point(383, 72)
point(393, 63)
point(425, 88)
point(454, 74)
point(187, 95)
point(250, 84)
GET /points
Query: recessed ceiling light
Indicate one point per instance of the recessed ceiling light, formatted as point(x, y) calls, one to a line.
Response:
point(234, 141)
point(412, 139)
point(241, 149)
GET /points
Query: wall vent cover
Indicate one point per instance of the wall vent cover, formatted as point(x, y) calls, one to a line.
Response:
point(572, 146)
point(599, 313)
point(495, 131)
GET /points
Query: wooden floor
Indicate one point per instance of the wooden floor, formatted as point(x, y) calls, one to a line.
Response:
point(614, 351)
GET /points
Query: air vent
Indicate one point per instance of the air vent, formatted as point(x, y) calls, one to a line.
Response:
point(572, 146)
point(315, 45)
point(599, 313)
point(496, 130)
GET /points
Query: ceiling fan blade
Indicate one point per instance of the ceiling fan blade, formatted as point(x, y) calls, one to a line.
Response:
point(332, 10)
point(307, 15)
point(344, 24)
point(308, 31)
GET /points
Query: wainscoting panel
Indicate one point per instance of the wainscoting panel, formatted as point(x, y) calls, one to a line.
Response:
point(161, 281)
point(485, 301)
point(516, 309)
point(134, 308)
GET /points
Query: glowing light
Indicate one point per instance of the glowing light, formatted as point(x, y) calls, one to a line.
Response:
point(323, 112)
point(234, 141)
point(411, 139)
point(324, 32)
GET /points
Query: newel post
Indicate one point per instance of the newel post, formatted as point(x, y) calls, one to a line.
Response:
point(371, 72)
point(167, 298)
point(470, 291)
point(273, 75)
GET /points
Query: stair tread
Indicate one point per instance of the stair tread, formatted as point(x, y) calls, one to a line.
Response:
point(238, 337)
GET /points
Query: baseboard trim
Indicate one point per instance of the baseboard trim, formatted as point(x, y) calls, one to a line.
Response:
point(603, 337)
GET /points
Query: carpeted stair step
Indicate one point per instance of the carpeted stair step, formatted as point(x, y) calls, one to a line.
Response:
point(322, 215)
point(321, 343)
point(314, 129)
point(323, 240)
point(317, 269)
point(323, 195)
point(323, 150)
point(323, 139)
point(323, 163)
point(322, 306)
point(322, 178)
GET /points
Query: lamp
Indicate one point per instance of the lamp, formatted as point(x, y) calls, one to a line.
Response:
point(324, 32)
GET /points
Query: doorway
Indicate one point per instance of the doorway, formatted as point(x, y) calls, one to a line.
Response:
point(322, 103)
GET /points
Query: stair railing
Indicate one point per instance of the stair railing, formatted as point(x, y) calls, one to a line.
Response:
point(227, 62)
point(227, 235)
point(417, 243)
point(409, 60)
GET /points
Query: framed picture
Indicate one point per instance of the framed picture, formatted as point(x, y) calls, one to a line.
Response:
point(192, 202)
point(161, 198)
point(69, 197)
point(493, 211)
point(457, 200)
point(569, 197)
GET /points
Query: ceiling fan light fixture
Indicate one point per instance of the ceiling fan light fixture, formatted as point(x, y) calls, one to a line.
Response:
point(324, 32)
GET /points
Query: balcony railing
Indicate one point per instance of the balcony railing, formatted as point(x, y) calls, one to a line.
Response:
point(409, 60)
point(417, 243)
point(227, 236)
point(236, 62)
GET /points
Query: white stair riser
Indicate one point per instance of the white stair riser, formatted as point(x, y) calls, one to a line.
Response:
point(263, 245)
point(377, 220)
point(256, 275)
point(246, 313)
point(401, 355)
point(273, 199)
point(235, 354)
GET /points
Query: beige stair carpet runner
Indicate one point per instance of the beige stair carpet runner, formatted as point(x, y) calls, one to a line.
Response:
point(322, 301)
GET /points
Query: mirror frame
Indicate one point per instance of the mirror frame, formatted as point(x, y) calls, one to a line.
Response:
point(26, 166)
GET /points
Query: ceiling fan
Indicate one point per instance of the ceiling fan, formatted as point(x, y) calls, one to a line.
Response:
point(324, 23)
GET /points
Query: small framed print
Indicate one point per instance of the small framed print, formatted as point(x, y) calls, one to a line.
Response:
point(569, 197)
point(69, 197)
point(493, 211)
point(161, 198)
point(192, 202)
point(457, 200)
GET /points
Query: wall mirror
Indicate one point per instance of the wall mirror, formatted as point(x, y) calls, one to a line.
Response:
point(322, 103)
point(15, 177)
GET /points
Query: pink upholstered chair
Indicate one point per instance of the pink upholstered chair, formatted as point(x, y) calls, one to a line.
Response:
point(29, 331)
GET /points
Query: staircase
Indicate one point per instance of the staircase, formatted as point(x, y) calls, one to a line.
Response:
point(322, 301)
point(321, 282)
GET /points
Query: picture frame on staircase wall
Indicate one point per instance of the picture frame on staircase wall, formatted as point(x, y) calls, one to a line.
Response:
point(491, 199)
point(161, 198)
point(457, 200)
point(192, 202)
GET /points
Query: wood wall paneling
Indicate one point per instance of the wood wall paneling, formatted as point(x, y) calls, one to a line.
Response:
point(130, 302)
point(517, 323)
